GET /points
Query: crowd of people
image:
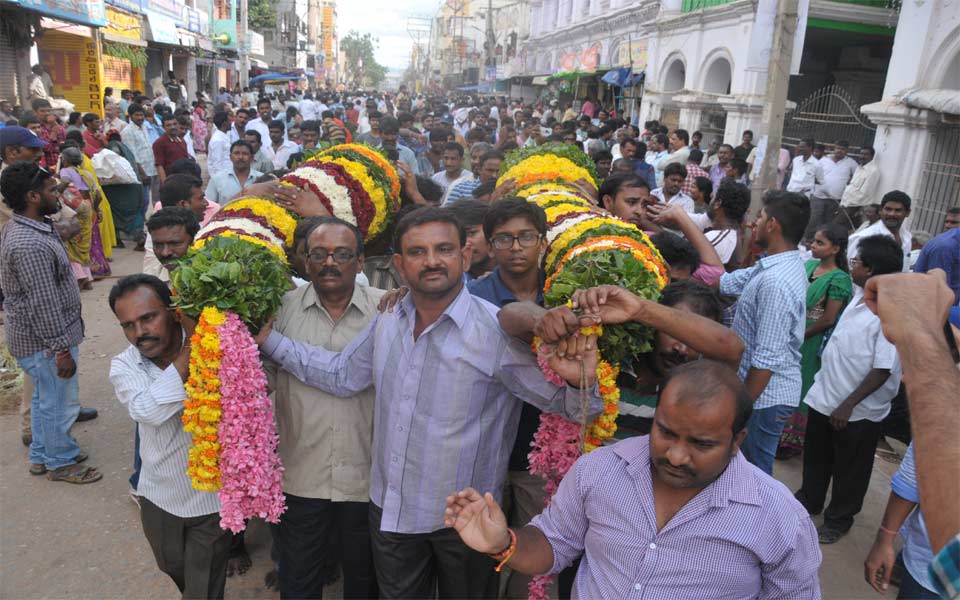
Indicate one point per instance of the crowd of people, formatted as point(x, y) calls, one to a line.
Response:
point(405, 393)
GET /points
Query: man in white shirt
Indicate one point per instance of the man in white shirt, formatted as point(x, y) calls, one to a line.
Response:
point(804, 174)
point(673, 178)
point(262, 122)
point(894, 209)
point(240, 119)
point(453, 172)
point(230, 183)
point(309, 109)
point(280, 148)
point(849, 398)
point(112, 120)
point(136, 136)
point(218, 149)
point(833, 174)
point(862, 189)
point(181, 524)
point(679, 142)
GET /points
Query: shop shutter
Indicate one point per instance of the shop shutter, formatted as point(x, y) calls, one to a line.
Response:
point(8, 66)
point(118, 74)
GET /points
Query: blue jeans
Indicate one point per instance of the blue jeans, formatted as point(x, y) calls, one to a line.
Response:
point(54, 409)
point(763, 435)
point(910, 588)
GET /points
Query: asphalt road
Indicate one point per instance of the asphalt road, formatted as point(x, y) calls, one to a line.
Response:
point(64, 541)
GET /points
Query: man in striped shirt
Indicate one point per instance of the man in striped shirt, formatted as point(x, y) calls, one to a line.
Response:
point(676, 514)
point(181, 524)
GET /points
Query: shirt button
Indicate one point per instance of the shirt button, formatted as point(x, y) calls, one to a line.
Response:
point(638, 587)
point(653, 546)
point(395, 459)
point(399, 427)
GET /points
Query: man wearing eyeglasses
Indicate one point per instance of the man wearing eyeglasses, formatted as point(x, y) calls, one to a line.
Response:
point(516, 232)
point(325, 440)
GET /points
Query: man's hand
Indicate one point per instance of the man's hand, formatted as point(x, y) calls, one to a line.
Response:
point(189, 325)
point(879, 563)
point(558, 323)
point(841, 415)
point(910, 303)
point(669, 215)
point(261, 336)
point(391, 299)
point(588, 189)
point(609, 303)
point(302, 202)
point(478, 519)
point(407, 176)
point(66, 366)
point(582, 355)
point(502, 191)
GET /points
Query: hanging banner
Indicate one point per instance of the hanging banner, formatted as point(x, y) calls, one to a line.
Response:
point(88, 12)
point(632, 51)
point(73, 63)
point(589, 58)
point(568, 61)
point(124, 25)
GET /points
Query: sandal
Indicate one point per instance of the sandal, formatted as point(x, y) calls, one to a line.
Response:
point(75, 474)
point(40, 468)
point(827, 535)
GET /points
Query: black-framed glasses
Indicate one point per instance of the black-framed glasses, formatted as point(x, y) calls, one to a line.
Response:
point(526, 239)
point(341, 256)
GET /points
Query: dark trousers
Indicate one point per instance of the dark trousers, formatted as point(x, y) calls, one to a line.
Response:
point(418, 566)
point(846, 457)
point(192, 551)
point(315, 531)
point(137, 463)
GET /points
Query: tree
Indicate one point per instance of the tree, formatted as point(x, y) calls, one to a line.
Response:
point(362, 68)
point(261, 14)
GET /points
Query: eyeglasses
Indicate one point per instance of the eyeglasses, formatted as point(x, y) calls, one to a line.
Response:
point(854, 261)
point(341, 256)
point(526, 239)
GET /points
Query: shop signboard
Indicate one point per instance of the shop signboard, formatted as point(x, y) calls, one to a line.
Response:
point(74, 66)
point(191, 19)
point(131, 5)
point(167, 8)
point(632, 52)
point(163, 29)
point(255, 43)
point(87, 12)
point(124, 25)
point(568, 61)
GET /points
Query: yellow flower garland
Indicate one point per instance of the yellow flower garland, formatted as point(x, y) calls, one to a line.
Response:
point(359, 172)
point(546, 188)
point(563, 240)
point(201, 414)
point(376, 158)
point(247, 238)
point(276, 216)
point(561, 209)
point(545, 164)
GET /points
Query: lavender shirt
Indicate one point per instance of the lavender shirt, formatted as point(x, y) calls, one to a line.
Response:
point(743, 536)
point(446, 411)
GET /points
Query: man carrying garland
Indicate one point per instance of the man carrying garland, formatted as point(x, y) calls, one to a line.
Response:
point(446, 380)
point(181, 524)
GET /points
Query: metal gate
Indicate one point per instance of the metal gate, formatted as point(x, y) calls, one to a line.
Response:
point(940, 184)
point(828, 115)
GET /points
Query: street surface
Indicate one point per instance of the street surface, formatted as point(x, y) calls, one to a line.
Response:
point(66, 541)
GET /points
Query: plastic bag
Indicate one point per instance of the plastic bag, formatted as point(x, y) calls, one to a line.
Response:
point(112, 168)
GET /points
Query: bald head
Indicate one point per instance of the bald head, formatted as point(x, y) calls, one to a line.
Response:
point(710, 382)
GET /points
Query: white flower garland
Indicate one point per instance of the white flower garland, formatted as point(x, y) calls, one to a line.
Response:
point(554, 231)
point(337, 194)
point(241, 225)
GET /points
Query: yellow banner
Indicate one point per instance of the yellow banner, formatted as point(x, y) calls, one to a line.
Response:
point(635, 50)
point(123, 24)
point(73, 63)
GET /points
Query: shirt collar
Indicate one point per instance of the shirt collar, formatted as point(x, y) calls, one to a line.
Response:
point(458, 310)
point(737, 483)
point(310, 298)
point(46, 225)
point(503, 294)
point(770, 261)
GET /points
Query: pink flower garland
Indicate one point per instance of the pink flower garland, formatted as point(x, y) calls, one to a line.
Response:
point(249, 464)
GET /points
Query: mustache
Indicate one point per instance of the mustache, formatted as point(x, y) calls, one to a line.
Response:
point(426, 272)
point(662, 462)
point(147, 338)
point(329, 271)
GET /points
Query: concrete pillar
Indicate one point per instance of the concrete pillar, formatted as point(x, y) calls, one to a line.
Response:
point(741, 115)
point(690, 118)
point(900, 127)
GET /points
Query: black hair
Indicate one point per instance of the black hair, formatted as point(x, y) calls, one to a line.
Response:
point(275, 124)
point(74, 118)
point(676, 250)
point(602, 155)
point(167, 116)
point(389, 125)
point(705, 186)
point(708, 379)
point(734, 198)
point(220, 118)
point(508, 208)
point(615, 182)
point(90, 118)
point(630, 140)
point(302, 231)
point(703, 300)
point(896, 196)
point(186, 166)
point(491, 155)
point(18, 180)
point(953, 210)
point(178, 188)
point(263, 100)
point(38, 103)
point(455, 147)
point(683, 136)
point(696, 155)
point(311, 125)
point(792, 212)
point(837, 235)
point(469, 212)
point(174, 216)
point(135, 108)
point(662, 139)
point(318, 221)
point(422, 216)
point(675, 169)
point(746, 131)
point(134, 282)
point(820, 147)
point(243, 143)
point(484, 188)
point(76, 136)
point(255, 134)
point(739, 165)
point(881, 253)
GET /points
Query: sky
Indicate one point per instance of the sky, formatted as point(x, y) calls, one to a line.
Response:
point(386, 20)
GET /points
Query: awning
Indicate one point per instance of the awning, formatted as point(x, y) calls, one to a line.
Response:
point(268, 77)
point(481, 87)
point(110, 37)
point(943, 101)
point(258, 63)
point(541, 80)
point(569, 75)
point(622, 77)
point(161, 29)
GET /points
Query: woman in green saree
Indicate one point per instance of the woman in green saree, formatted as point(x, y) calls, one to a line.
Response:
point(827, 295)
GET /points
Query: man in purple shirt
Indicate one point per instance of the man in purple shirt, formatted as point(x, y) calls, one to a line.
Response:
point(676, 514)
point(449, 384)
point(719, 171)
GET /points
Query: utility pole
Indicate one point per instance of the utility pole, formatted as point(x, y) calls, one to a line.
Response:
point(775, 99)
point(242, 46)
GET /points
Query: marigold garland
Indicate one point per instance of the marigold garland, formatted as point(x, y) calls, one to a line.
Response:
point(278, 217)
point(376, 158)
point(202, 409)
point(374, 191)
point(545, 167)
point(197, 245)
